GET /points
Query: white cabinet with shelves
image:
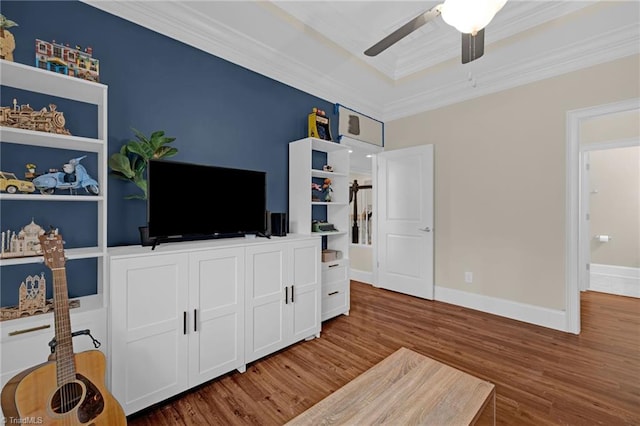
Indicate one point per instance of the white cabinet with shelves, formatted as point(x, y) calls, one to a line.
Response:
point(306, 158)
point(188, 312)
point(182, 310)
point(283, 296)
point(92, 307)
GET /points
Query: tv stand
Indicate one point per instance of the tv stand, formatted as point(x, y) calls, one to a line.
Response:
point(217, 306)
point(263, 235)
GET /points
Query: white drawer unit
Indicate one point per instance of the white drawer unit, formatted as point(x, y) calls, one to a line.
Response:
point(335, 288)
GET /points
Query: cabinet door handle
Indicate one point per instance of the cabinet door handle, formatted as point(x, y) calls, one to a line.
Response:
point(29, 330)
point(195, 320)
point(333, 292)
point(286, 295)
point(334, 265)
point(292, 294)
point(184, 322)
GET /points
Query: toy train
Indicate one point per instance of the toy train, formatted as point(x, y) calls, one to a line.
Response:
point(25, 117)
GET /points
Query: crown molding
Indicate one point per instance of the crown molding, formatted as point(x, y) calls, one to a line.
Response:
point(617, 44)
point(353, 82)
point(181, 22)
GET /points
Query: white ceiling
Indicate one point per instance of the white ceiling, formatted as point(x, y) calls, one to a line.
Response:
point(316, 46)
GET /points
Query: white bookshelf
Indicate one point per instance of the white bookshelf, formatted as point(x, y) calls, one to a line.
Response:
point(335, 274)
point(27, 334)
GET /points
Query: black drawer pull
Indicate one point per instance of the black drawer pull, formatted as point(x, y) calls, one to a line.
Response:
point(333, 292)
point(334, 265)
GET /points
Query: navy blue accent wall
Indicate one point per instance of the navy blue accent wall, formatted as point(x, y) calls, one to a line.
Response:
point(220, 113)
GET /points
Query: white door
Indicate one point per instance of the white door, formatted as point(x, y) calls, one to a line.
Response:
point(584, 250)
point(404, 185)
point(305, 289)
point(149, 333)
point(216, 306)
point(266, 294)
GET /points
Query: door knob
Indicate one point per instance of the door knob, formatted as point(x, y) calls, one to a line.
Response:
point(425, 229)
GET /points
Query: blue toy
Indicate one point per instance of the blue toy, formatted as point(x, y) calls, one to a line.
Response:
point(73, 176)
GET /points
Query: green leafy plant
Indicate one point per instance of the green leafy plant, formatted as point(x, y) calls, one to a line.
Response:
point(131, 162)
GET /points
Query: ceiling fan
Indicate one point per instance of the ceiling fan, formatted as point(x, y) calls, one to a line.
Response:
point(470, 17)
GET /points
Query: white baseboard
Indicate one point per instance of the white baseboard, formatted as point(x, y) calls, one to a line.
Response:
point(545, 317)
point(362, 276)
point(620, 280)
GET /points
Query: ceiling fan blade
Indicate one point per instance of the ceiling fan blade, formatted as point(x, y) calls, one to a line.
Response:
point(472, 46)
point(403, 31)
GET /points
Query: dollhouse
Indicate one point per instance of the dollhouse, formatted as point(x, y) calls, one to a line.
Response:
point(67, 60)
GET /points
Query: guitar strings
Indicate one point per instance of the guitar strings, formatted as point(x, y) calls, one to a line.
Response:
point(65, 360)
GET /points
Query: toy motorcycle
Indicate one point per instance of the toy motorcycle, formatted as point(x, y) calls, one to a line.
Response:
point(73, 176)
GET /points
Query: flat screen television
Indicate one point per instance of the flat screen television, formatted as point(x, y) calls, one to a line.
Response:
point(192, 201)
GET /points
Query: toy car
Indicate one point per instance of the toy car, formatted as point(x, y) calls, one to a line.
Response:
point(11, 184)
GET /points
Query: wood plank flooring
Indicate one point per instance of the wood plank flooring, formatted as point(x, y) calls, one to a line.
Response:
point(542, 376)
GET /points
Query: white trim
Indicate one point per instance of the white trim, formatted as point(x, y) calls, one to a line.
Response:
point(545, 317)
point(362, 276)
point(574, 256)
point(613, 144)
point(613, 279)
point(180, 21)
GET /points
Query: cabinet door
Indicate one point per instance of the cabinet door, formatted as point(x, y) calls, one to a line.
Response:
point(305, 281)
point(266, 275)
point(216, 301)
point(148, 329)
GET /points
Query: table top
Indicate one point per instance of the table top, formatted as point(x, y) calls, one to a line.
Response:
point(405, 388)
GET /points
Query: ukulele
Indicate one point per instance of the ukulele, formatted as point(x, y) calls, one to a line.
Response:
point(68, 389)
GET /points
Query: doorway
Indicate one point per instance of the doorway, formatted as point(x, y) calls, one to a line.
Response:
point(611, 182)
point(575, 237)
point(361, 222)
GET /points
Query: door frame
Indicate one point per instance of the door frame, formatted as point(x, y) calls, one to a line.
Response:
point(573, 238)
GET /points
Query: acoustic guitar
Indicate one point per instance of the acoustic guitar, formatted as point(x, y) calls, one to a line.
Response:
point(69, 389)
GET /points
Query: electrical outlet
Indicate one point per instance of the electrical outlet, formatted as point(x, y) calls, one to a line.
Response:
point(468, 277)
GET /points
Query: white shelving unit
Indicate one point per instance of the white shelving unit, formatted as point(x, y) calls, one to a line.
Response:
point(92, 311)
point(335, 274)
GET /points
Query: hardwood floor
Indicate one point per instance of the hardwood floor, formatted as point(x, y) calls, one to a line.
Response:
point(542, 376)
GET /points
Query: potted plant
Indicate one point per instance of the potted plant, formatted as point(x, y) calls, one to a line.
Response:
point(131, 162)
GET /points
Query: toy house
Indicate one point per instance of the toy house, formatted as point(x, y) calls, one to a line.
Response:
point(67, 60)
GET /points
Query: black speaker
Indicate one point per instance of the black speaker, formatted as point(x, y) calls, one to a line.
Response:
point(279, 224)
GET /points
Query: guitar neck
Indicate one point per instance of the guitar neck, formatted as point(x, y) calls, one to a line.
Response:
point(65, 361)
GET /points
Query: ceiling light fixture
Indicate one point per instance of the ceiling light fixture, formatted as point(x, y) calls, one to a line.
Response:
point(470, 16)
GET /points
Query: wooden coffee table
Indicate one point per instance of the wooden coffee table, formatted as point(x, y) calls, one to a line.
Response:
point(406, 388)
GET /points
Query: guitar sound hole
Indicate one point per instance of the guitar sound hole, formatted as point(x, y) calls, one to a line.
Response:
point(66, 398)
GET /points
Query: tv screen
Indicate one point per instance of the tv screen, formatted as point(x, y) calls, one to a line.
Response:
point(192, 201)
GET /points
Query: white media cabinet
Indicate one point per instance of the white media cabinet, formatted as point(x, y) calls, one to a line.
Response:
point(188, 312)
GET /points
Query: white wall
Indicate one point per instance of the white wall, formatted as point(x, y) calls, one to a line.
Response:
point(500, 181)
point(615, 206)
